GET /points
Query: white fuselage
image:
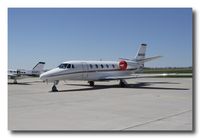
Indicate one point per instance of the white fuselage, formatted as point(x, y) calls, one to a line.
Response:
point(89, 70)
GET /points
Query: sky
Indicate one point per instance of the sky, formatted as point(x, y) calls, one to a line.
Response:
point(55, 35)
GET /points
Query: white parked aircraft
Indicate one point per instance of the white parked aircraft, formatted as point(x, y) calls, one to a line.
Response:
point(21, 73)
point(92, 71)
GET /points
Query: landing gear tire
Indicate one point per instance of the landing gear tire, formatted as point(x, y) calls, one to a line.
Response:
point(54, 89)
point(91, 83)
point(122, 83)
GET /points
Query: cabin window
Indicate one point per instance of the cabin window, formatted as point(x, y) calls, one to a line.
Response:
point(101, 66)
point(107, 66)
point(91, 66)
point(113, 65)
point(96, 66)
point(69, 66)
point(72, 66)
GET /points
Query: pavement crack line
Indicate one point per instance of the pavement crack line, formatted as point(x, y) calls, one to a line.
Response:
point(155, 120)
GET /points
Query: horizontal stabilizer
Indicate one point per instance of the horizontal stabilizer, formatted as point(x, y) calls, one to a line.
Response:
point(148, 59)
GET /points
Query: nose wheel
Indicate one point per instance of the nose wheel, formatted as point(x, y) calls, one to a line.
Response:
point(54, 88)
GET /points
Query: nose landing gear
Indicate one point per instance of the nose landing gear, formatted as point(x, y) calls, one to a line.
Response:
point(54, 89)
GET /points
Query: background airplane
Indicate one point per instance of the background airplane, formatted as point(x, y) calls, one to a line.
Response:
point(21, 73)
point(92, 71)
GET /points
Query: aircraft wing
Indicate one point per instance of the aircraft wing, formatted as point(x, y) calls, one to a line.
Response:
point(135, 76)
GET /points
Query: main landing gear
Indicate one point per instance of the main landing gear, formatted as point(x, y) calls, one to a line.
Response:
point(54, 89)
point(123, 83)
point(91, 83)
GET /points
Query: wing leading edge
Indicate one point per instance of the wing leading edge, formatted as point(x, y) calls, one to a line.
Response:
point(134, 76)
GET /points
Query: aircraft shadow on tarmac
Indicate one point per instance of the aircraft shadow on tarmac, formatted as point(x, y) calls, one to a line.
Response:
point(140, 85)
point(23, 83)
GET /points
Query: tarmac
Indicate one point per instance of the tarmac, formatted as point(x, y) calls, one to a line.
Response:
point(153, 104)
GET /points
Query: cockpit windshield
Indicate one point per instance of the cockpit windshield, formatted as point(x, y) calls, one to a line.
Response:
point(63, 66)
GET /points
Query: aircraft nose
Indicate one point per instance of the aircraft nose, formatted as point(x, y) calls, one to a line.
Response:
point(48, 75)
point(43, 76)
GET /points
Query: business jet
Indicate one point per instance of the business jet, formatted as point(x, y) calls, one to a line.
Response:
point(21, 73)
point(92, 71)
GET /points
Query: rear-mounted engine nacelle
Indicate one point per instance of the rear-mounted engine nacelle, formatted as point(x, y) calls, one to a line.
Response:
point(123, 65)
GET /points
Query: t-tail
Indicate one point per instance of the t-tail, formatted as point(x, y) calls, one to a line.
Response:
point(140, 57)
point(38, 69)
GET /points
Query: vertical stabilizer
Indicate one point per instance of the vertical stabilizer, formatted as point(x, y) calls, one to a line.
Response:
point(141, 56)
point(39, 66)
point(141, 52)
